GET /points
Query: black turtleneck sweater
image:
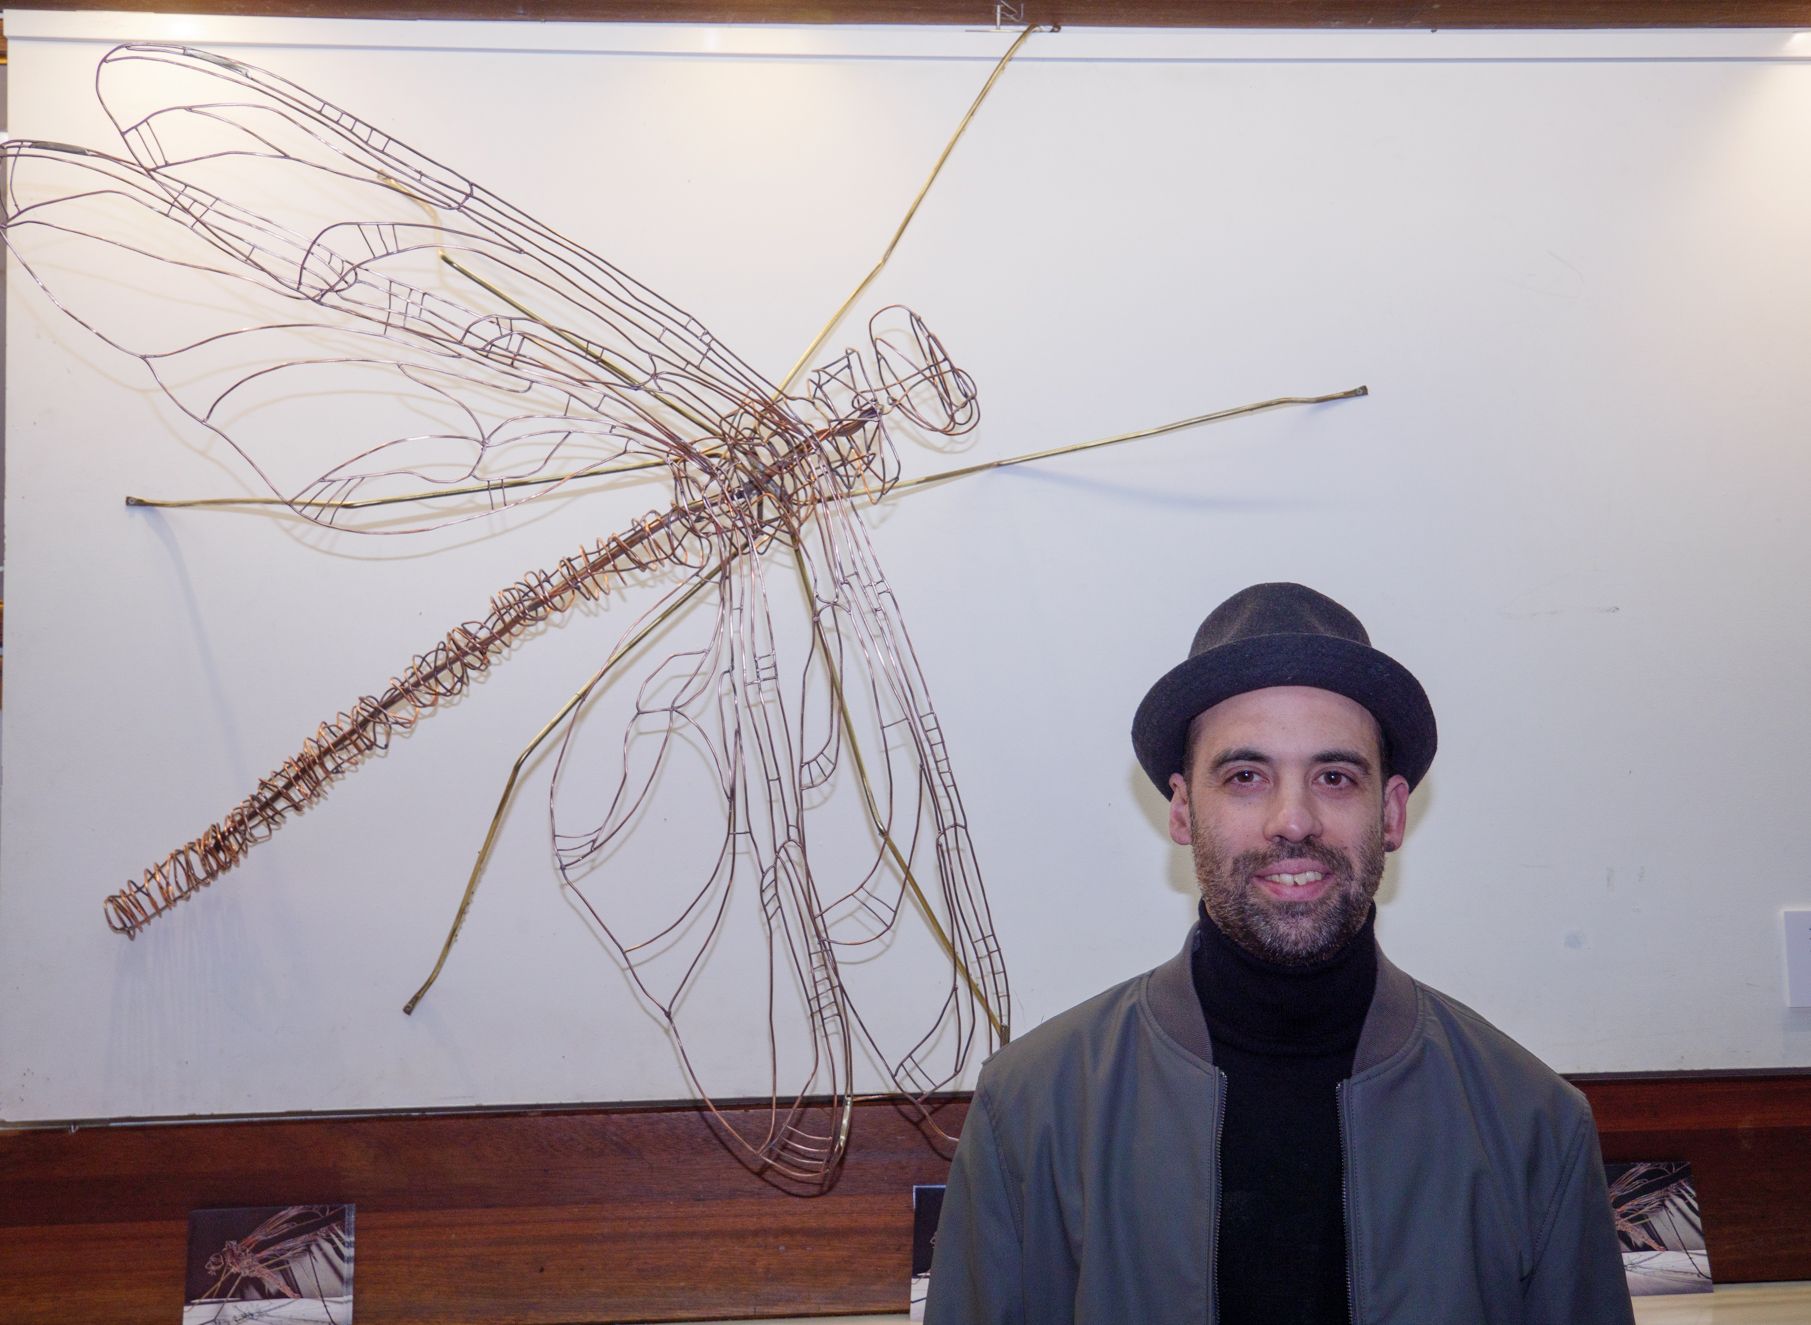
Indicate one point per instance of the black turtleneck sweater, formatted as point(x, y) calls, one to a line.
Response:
point(1285, 1037)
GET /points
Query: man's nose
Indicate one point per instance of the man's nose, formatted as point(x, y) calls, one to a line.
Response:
point(1293, 817)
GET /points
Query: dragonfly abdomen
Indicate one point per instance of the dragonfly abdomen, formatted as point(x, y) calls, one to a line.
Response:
point(342, 742)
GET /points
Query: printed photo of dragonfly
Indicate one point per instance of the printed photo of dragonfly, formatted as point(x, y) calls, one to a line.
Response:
point(292, 1264)
point(481, 359)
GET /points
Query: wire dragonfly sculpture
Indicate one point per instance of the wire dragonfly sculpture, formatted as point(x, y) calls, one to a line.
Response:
point(523, 364)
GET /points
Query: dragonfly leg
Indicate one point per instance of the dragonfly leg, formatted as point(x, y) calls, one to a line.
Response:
point(578, 697)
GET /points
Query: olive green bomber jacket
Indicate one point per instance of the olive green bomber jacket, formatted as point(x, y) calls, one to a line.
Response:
point(1086, 1185)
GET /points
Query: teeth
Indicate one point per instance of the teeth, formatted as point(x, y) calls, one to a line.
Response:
point(1296, 880)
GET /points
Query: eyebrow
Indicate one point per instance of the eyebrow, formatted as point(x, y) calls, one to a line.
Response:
point(1352, 757)
point(1247, 754)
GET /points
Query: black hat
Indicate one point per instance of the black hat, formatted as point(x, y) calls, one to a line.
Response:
point(1283, 635)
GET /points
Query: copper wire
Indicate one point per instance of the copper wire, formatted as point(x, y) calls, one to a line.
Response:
point(341, 743)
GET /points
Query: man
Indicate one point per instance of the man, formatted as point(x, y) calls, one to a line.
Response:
point(1277, 1125)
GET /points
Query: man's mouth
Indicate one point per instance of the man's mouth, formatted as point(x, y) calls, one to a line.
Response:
point(1296, 880)
point(1303, 884)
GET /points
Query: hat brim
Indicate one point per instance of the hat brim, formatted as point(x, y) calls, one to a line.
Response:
point(1326, 662)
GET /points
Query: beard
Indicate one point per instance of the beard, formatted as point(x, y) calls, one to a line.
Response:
point(1287, 933)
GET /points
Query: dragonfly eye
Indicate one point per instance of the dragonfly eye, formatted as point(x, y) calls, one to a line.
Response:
point(919, 378)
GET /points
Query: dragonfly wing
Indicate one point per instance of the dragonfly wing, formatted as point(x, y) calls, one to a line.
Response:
point(322, 404)
point(394, 212)
point(718, 708)
point(925, 861)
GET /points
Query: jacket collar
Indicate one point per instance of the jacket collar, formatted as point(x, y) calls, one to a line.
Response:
point(1388, 1025)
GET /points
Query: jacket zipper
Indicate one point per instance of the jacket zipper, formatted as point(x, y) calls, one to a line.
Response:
point(1213, 1245)
point(1345, 1200)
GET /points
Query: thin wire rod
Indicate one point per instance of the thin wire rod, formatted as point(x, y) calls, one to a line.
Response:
point(1275, 402)
point(867, 790)
point(580, 476)
point(515, 773)
point(911, 211)
point(428, 494)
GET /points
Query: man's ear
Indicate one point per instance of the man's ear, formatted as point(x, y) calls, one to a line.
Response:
point(1395, 811)
point(1180, 832)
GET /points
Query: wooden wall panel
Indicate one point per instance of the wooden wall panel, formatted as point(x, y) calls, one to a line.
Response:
point(1748, 1138)
point(614, 1215)
point(603, 1215)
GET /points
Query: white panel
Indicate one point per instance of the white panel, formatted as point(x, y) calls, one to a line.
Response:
point(1572, 268)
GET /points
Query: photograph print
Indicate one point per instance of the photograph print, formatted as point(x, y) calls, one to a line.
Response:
point(289, 1264)
point(1660, 1227)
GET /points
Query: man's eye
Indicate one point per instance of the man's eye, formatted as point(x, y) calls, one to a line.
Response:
point(1244, 777)
point(1335, 778)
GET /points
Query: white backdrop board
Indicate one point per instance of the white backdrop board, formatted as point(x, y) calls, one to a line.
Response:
point(1573, 269)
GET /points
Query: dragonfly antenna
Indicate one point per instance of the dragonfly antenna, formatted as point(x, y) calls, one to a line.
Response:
point(903, 485)
point(911, 211)
point(1276, 402)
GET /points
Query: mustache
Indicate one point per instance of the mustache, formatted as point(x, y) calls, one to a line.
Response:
point(1255, 862)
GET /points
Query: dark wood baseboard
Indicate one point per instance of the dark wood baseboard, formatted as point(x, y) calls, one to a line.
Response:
point(1748, 1137)
point(638, 1214)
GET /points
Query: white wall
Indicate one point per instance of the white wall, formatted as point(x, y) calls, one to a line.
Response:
point(1572, 268)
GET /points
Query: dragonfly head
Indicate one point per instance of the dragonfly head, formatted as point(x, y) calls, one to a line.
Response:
point(916, 379)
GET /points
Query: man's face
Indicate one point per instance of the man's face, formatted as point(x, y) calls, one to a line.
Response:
point(1289, 815)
